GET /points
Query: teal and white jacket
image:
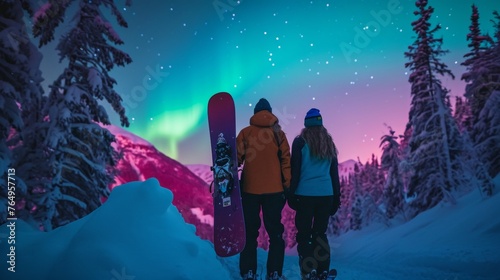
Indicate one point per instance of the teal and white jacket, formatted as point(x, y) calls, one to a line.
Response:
point(312, 176)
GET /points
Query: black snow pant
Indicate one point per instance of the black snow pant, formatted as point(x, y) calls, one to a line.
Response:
point(311, 220)
point(272, 205)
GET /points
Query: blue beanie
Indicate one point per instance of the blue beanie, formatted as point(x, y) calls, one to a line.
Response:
point(263, 104)
point(313, 118)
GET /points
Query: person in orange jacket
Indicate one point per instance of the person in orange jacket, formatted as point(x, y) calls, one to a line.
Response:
point(264, 151)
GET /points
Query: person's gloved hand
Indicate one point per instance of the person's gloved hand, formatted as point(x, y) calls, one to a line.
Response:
point(335, 205)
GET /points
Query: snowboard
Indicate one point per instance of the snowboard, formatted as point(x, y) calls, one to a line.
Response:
point(229, 224)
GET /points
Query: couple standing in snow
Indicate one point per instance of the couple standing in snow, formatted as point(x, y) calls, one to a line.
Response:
point(308, 180)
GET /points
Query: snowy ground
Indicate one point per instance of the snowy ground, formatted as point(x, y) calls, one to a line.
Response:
point(445, 243)
point(138, 235)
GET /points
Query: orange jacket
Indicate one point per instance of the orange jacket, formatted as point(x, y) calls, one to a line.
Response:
point(258, 150)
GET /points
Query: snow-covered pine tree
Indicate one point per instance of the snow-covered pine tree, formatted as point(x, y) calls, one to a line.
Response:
point(380, 183)
point(356, 218)
point(82, 159)
point(477, 68)
point(393, 188)
point(372, 193)
point(21, 100)
point(463, 114)
point(492, 82)
point(485, 130)
point(460, 159)
point(433, 150)
point(11, 29)
point(487, 136)
point(340, 222)
point(376, 180)
point(477, 175)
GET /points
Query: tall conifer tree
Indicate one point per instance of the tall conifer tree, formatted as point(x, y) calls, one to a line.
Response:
point(433, 147)
point(81, 158)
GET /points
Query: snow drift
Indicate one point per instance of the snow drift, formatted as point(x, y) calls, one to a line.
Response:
point(136, 233)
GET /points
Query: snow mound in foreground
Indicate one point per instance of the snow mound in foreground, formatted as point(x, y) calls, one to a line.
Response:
point(136, 234)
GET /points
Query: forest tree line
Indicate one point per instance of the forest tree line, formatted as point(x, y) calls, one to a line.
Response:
point(442, 154)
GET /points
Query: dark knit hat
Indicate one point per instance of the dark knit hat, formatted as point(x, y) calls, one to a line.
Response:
point(263, 104)
point(313, 118)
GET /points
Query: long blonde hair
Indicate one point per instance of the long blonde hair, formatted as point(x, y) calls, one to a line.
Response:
point(320, 142)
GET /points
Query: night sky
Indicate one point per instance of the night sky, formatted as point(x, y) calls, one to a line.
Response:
point(345, 58)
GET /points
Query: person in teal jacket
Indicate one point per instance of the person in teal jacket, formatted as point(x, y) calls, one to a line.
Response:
point(314, 193)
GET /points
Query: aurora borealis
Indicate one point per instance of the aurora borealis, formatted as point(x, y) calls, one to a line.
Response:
point(342, 57)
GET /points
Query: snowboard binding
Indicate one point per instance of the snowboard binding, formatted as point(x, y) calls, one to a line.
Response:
point(223, 176)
